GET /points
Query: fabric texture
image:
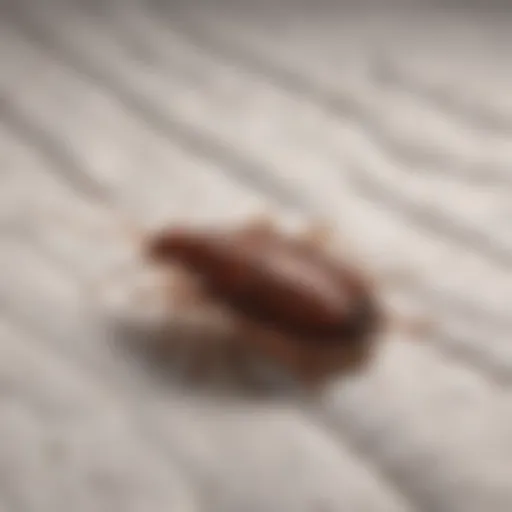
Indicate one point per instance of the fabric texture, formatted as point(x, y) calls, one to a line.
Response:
point(392, 121)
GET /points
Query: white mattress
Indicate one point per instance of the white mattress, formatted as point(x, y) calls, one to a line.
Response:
point(393, 122)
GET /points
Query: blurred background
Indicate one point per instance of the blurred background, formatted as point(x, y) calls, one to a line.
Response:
point(391, 120)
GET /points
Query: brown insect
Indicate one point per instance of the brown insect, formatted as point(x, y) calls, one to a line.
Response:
point(290, 298)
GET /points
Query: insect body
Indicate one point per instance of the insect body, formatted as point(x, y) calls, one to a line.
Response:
point(295, 301)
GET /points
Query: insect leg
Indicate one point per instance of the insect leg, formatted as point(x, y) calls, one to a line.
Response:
point(261, 224)
point(414, 325)
point(183, 291)
point(131, 230)
point(318, 235)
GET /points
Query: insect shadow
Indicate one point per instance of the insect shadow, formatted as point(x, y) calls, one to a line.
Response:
point(177, 355)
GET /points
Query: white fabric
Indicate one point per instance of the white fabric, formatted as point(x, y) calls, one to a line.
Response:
point(394, 122)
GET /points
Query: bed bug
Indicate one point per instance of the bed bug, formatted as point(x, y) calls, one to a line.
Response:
point(292, 299)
